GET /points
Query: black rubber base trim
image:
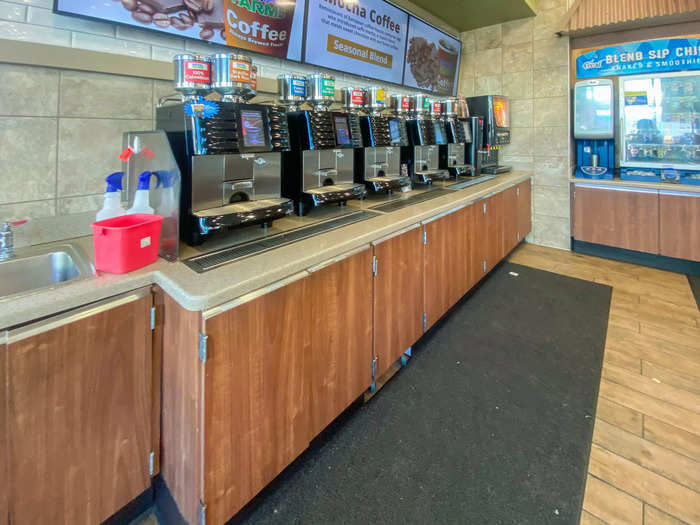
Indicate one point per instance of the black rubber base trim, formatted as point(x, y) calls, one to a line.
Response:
point(133, 509)
point(645, 259)
point(694, 282)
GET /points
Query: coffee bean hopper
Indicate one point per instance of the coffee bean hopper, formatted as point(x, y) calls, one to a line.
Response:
point(378, 163)
point(458, 131)
point(229, 152)
point(319, 169)
point(423, 155)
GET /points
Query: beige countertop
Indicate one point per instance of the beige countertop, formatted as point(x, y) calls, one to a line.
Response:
point(666, 186)
point(195, 291)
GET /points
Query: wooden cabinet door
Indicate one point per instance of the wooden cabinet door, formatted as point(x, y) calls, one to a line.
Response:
point(510, 219)
point(619, 217)
point(476, 246)
point(680, 225)
point(445, 270)
point(524, 209)
point(494, 230)
point(398, 296)
point(256, 392)
point(338, 300)
point(79, 414)
point(4, 479)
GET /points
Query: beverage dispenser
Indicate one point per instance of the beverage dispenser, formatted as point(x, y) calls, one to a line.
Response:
point(422, 156)
point(453, 155)
point(594, 129)
point(378, 163)
point(319, 169)
point(495, 112)
point(229, 152)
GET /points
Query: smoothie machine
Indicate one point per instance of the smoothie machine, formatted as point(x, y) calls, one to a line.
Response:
point(229, 152)
point(378, 163)
point(319, 169)
point(453, 155)
point(422, 156)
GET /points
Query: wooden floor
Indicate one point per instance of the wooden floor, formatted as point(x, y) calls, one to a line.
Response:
point(645, 457)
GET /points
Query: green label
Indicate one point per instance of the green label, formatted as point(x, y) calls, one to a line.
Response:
point(328, 87)
point(426, 103)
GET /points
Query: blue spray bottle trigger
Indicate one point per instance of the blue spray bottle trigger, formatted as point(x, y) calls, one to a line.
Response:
point(114, 181)
point(145, 180)
point(165, 178)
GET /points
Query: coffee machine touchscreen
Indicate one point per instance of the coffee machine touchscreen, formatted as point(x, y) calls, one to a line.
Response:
point(253, 129)
point(500, 112)
point(342, 131)
point(394, 131)
point(439, 137)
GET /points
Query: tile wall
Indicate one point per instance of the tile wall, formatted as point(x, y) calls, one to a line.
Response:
point(527, 62)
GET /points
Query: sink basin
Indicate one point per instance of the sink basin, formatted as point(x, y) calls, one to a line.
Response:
point(40, 267)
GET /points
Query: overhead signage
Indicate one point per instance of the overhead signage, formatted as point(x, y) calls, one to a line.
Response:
point(362, 37)
point(652, 56)
point(432, 59)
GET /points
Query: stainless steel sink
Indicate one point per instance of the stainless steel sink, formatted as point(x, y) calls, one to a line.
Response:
point(40, 267)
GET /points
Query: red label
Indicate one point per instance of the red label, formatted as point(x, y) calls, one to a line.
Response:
point(254, 79)
point(357, 97)
point(197, 71)
point(405, 103)
point(437, 107)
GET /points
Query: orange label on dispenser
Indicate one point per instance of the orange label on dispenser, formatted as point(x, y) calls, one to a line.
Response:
point(254, 79)
point(239, 72)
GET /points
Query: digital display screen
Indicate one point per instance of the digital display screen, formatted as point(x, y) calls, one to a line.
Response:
point(362, 37)
point(501, 117)
point(439, 136)
point(342, 131)
point(394, 131)
point(273, 27)
point(593, 109)
point(253, 129)
point(432, 58)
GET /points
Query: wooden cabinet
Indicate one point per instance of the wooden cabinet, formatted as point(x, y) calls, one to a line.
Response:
point(524, 191)
point(4, 480)
point(79, 413)
point(510, 215)
point(622, 217)
point(398, 296)
point(445, 270)
point(679, 219)
point(338, 299)
point(256, 396)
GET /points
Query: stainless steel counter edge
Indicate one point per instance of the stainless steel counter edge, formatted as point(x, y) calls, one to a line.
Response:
point(199, 292)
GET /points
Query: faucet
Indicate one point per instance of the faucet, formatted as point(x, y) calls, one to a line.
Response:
point(7, 240)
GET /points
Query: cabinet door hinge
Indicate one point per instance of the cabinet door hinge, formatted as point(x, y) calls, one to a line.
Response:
point(484, 208)
point(517, 191)
point(425, 320)
point(484, 263)
point(202, 347)
point(151, 463)
point(153, 317)
point(518, 235)
point(425, 237)
point(374, 367)
point(374, 265)
point(202, 514)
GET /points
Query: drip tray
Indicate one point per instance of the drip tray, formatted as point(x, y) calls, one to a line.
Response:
point(467, 183)
point(204, 263)
point(399, 204)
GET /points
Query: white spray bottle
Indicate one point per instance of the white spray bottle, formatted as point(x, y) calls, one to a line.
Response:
point(112, 201)
point(167, 206)
point(141, 200)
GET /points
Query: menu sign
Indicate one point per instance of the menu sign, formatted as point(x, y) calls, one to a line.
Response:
point(363, 37)
point(432, 59)
point(271, 27)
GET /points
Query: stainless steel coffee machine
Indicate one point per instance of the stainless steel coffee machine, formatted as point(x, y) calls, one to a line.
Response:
point(319, 169)
point(425, 135)
point(453, 155)
point(378, 163)
point(229, 152)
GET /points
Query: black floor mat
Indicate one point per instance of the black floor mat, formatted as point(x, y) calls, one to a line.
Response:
point(694, 281)
point(489, 423)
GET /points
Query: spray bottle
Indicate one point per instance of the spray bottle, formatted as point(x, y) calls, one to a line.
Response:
point(167, 206)
point(112, 201)
point(141, 204)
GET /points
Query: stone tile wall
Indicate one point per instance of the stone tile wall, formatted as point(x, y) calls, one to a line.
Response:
point(527, 62)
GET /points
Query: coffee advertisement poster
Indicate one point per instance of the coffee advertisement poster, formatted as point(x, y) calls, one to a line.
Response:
point(362, 37)
point(432, 59)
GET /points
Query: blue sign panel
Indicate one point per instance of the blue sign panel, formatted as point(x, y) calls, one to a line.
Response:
point(652, 56)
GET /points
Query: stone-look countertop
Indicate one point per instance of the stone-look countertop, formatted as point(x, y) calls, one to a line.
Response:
point(198, 292)
point(666, 186)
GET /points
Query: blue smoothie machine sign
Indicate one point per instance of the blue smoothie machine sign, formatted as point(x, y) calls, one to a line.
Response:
point(638, 58)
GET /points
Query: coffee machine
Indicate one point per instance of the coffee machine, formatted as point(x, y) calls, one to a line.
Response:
point(399, 108)
point(453, 155)
point(319, 169)
point(378, 163)
point(495, 111)
point(229, 152)
point(422, 156)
